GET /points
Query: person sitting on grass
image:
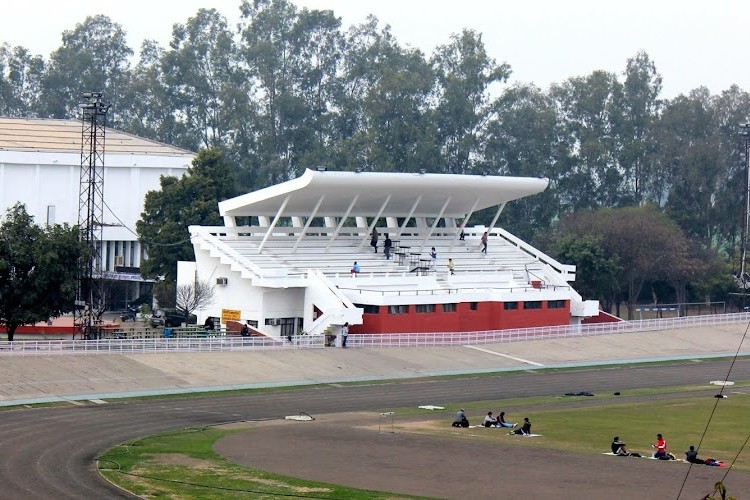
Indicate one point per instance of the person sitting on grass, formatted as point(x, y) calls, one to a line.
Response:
point(692, 456)
point(501, 421)
point(618, 447)
point(489, 420)
point(460, 420)
point(525, 429)
point(661, 448)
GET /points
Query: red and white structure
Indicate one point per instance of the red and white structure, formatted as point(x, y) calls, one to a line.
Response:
point(289, 270)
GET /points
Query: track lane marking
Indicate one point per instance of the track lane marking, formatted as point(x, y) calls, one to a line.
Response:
point(503, 355)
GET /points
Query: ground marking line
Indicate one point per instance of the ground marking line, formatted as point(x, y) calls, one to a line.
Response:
point(503, 355)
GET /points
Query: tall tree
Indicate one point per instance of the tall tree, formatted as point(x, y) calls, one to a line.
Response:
point(37, 269)
point(198, 71)
point(94, 57)
point(590, 108)
point(189, 200)
point(641, 107)
point(20, 81)
point(147, 103)
point(387, 123)
point(464, 73)
point(524, 138)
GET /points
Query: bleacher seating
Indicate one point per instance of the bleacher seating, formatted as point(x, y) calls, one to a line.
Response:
point(334, 258)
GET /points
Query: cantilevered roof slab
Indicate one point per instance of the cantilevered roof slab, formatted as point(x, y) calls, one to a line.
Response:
point(463, 193)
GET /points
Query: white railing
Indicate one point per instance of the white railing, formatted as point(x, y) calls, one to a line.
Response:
point(217, 344)
point(146, 345)
point(540, 333)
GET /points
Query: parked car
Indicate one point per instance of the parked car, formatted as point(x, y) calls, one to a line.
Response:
point(170, 318)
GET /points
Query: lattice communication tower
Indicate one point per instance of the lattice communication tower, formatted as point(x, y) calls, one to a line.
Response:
point(90, 302)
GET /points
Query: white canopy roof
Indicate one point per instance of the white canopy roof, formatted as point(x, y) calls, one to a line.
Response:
point(368, 194)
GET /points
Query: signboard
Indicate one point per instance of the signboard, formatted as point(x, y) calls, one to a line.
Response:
point(229, 315)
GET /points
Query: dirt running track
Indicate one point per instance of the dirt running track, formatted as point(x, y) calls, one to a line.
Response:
point(50, 452)
point(333, 450)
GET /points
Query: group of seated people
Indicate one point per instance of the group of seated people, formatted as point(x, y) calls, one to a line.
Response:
point(490, 421)
point(619, 449)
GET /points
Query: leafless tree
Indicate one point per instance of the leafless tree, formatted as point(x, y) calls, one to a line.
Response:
point(190, 297)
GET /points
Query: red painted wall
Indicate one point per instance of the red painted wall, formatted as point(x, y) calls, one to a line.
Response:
point(602, 317)
point(487, 316)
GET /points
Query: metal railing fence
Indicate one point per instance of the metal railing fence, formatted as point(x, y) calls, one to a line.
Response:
point(231, 343)
point(541, 333)
point(154, 345)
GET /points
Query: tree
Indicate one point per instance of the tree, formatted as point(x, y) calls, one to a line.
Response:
point(190, 297)
point(20, 81)
point(198, 71)
point(386, 121)
point(590, 110)
point(524, 137)
point(37, 269)
point(596, 272)
point(645, 243)
point(164, 293)
point(464, 74)
point(641, 107)
point(189, 200)
point(94, 56)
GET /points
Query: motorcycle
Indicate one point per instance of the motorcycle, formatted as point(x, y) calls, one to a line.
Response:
point(130, 314)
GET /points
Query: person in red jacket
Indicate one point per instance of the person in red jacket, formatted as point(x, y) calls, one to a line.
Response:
point(661, 447)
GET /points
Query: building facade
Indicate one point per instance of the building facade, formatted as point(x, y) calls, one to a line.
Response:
point(40, 162)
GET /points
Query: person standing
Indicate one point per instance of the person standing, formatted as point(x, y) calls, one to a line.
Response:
point(374, 239)
point(387, 245)
point(344, 334)
point(451, 267)
point(433, 256)
point(484, 242)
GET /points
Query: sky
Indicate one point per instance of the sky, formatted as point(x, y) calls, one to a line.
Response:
point(692, 42)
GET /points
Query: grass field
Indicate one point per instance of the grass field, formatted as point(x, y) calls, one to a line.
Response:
point(183, 465)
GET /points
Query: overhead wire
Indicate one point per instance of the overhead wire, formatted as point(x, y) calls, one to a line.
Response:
point(147, 242)
point(719, 397)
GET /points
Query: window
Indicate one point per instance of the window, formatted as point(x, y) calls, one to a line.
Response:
point(532, 304)
point(449, 308)
point(368, 309)
point(473, 306)
point(510, 306)
point(425, 308)
point(398, 309)
point(555, 304)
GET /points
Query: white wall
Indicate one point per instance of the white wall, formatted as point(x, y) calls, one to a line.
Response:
point(40, 180)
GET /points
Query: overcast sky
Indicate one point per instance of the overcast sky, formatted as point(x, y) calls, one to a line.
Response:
point(693, 42)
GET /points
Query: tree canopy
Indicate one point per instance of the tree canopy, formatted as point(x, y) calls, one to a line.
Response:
point(291, 88)
point(189, 200)
point(36, 282)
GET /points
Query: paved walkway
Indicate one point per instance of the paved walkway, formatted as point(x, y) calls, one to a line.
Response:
point(36, 379)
